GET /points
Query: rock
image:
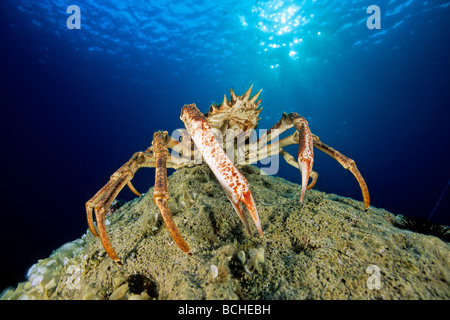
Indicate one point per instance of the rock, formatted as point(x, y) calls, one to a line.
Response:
point(119, 292)
point(327, 248)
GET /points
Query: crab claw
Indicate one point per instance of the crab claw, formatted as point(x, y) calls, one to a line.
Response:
point(305, 150)
point(232, 181)
point(237, 196)
point(247, 199)
point(305, 165)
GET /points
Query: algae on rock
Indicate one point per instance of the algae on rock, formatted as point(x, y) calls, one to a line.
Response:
point(327, 248)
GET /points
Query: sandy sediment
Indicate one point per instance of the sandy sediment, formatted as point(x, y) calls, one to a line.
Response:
point(327, 248)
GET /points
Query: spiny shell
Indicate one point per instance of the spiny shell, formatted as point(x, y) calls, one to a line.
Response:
point(240, 113)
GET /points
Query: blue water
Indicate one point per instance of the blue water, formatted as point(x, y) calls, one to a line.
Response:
point(76, 104)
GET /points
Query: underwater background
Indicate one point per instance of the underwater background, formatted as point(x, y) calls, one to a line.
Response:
point(77, 103)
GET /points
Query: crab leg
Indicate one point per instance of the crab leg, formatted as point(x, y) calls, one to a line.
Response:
point(290, 160)
point(161, 192)
point(348, 164)
point(233, 182)
point(103, 199)
point(305, 156)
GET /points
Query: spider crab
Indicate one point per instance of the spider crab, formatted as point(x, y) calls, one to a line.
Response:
point(239, 115)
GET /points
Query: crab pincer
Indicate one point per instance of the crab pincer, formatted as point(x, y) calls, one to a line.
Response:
point(232, 181)
point(305, 156)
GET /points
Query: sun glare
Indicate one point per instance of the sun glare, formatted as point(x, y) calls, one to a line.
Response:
point(281, 24)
